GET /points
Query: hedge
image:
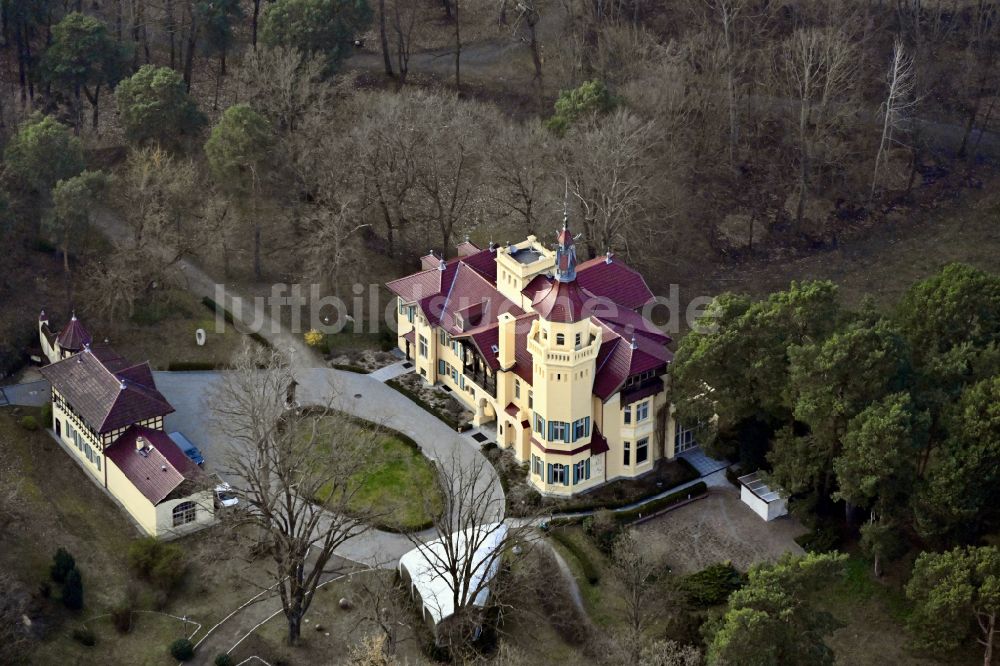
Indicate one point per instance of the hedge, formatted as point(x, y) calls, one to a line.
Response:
point(650, 508)
point(590, 571)
point(228, 316)
point(347, 367)
point(455, 425)
point(588, 502)
point(193, 366)
point(647, 509)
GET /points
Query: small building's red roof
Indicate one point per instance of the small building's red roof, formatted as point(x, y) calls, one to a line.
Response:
point(158, 470)
point(105, 390)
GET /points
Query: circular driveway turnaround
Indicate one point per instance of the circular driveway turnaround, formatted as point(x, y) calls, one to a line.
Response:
point(188, 392)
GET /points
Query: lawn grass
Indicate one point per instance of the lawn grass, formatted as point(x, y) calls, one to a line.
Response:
point(147, 642)
point(339, 630)
point(603, 606)
point(397, 483)
point(165, 333)
point(56, 505)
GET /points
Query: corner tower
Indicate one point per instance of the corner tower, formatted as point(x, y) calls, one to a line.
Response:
point(563, 343)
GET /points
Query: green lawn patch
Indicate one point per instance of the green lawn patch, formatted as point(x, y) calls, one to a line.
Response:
point(397, 482)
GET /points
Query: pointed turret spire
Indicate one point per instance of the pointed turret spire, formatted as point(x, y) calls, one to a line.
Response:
point(565, 255)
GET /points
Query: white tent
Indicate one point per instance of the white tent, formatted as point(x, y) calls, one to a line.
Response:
point(424, 567)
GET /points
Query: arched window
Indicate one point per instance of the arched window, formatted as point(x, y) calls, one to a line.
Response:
point(184, 513)
point(560, 339)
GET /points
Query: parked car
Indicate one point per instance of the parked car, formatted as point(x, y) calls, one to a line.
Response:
point(189, 449)
point(225, 496)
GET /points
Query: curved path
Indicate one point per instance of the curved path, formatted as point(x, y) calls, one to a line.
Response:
point(359, 395)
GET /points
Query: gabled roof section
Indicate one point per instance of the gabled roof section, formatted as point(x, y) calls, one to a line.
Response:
point(484, 339)
point(538, 283)
point(615, 280)
point(429, 288)
point(105, 391)
point(467, 248)
point(618, 358)
point(471, 293)
point(158, 469)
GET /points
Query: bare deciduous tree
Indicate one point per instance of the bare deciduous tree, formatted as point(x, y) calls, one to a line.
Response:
point(520, 164)
point(296, 479)
point(474, 543)
point(386, 142)
point(388, 606)
point(895, 109)
point(607, 168)
point(15, 638)
point(372, 651)
point(283, 84)
point(816, 67)
point(635, 569)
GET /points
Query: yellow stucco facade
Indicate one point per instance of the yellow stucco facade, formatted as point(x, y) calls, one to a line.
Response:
point(552, 421)
point(158, 520)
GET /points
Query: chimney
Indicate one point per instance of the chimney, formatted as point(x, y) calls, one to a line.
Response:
point(607, 257)
point(141, 445)
point(508, 327)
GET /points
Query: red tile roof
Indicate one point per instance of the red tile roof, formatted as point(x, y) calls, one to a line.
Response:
point(467, 248)
point(159, 470)
point(523, 363)
point(105, 391)
point(598, 442)
point(74, 337)
point(617, 360)
point(538, 283)
point(564, 302)
point(484, 338)
point(464, 300)
point(617, 281)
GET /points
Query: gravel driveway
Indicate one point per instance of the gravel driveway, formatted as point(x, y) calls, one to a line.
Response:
point(719, 528)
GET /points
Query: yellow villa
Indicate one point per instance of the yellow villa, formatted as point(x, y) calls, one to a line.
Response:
point(108, 414)
point(551, 349)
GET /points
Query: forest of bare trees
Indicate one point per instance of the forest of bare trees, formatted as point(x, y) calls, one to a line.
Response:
point(674, 131)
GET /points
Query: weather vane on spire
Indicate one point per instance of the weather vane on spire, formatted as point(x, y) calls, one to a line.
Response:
point(566, 205)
